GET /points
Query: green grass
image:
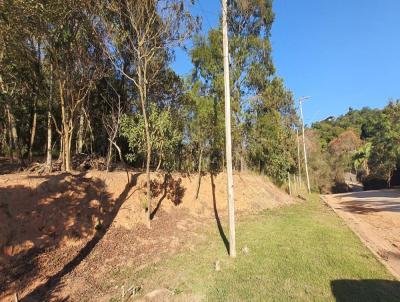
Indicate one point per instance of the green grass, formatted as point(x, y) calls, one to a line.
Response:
point(302, 252)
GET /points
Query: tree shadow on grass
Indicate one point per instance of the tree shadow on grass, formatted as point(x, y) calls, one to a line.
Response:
point(63, 206)
point(365, 290)
point(217, 219)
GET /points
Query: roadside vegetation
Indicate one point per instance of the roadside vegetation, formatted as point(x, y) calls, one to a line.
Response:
point(299, 253)
point(89, 85)
point(363, 142)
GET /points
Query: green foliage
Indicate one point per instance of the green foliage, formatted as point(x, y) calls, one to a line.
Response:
point(385, 152)
point(268, 147)
point(379, 131)
point(205, 125)
point(361, 157)
point(164, 135)
point(263, 109)
point(88, 55)
point(358, 120)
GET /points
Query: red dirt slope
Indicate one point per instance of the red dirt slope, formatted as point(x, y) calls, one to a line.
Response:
point(60, 234)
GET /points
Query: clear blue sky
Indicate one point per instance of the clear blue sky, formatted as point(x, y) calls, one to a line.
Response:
point(342, 53)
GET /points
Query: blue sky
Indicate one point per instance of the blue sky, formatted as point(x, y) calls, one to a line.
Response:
point(342, 53)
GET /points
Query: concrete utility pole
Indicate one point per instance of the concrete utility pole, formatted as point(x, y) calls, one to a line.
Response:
point(228, 140)
point(304, 142)
point(298, 155)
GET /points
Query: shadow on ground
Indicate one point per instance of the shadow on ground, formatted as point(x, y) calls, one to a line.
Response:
point(365, 290)
point(62, 208)
point(217, 219)
point(7, 167)
point(169, 188)
point(388, 193)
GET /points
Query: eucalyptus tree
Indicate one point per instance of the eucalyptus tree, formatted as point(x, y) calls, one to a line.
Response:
point(21, 78)
point(259, 98)
point(271, 147)
point(138, 37)
point(201, 126)
point(76, 61)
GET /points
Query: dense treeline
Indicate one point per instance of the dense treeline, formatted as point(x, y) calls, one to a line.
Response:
point(365, 142)
point(82, 77)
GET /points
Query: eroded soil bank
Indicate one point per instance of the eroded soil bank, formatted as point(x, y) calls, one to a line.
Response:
point(61, 233)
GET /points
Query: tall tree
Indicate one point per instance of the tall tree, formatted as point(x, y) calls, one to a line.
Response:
point(76, 62)
point(385, 152)
point(256, 92)
point(143, 33)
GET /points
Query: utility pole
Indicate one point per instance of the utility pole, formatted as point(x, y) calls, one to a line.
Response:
point(228, 140)
point(304, 142)
point(298, 155)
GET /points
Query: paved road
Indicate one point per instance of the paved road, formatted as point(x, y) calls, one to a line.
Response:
point(375, 217)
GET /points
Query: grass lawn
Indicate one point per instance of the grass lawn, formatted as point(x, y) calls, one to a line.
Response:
point(302, 252)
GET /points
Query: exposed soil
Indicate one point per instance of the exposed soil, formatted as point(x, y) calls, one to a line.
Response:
point(62, 234)
point(375, 217)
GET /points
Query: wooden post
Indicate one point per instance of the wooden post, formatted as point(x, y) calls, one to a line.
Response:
point(228, 139)
point(304, 147)
point(290, 188)
point(298, 155)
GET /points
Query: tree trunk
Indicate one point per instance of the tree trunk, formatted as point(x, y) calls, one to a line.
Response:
point(242, 162)
point(61, 153)
point(389, 179)
point(109, 154)
point(148, 168)
point(33, 128)
point(143, 99)
point(66, 133)
point(49, 129)
point(80, 133)
point(49, 139)
point(159, 164)
point(121, 158)
point(14, 134)
point(10, 137)
point(199, 174)
point(67, 150)
point(34, 107)
point(3, 138)
point(148, 177)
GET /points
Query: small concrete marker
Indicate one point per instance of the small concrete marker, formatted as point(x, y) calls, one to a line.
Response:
point(217, 266)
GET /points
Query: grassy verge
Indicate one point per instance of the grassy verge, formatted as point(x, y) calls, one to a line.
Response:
point(299, 253)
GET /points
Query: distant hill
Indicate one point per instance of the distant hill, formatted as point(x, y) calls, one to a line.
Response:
point(365, 142)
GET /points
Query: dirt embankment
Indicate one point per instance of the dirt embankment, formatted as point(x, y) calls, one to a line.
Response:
point(62, 233)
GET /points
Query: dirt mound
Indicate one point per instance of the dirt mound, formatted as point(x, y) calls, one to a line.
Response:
point(55, 225)
point(252, 193)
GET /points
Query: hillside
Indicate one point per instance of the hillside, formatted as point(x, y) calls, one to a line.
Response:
point(362, 142)
point(60, 228)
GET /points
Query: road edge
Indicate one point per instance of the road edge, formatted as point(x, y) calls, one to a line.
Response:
point(367, 243)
